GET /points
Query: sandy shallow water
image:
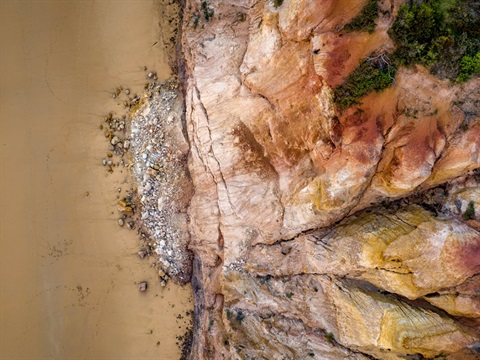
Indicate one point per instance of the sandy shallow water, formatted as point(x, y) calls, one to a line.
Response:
point(68, 271)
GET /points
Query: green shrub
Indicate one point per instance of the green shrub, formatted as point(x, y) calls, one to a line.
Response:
point(208, 12)
point(470, 212)
point(365, 21)
point(277, 3)
point(373, 74)
point(469, 66)
point(240, 316)
point(330, 337)
point(443, 35)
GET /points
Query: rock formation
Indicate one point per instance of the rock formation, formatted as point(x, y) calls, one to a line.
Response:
point(323, 233)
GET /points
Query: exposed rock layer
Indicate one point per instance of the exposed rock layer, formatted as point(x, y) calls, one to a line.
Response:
point(275, 167)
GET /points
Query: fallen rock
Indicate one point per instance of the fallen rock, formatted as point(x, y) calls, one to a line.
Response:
point(124, 206)
point(142, 286)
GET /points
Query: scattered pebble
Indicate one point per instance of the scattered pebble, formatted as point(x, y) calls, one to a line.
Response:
point(142, 286)
point(158, 168)
point(115, 140)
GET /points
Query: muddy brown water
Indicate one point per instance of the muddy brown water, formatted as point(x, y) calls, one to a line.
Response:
point(69, 273)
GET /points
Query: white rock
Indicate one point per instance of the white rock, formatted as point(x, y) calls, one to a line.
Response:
point(148, 186)
point(115, 140)
point(160, 203)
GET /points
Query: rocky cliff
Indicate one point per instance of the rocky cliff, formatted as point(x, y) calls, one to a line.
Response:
point(319, 232)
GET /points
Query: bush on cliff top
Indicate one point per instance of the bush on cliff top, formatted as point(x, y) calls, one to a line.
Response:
point(443, 35)
point(373, 74)
point(365, 21)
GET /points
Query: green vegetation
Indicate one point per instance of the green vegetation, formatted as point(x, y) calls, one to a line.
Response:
point(468, 67)
point(373, 74)
point(365, 21)
point(207, 11)
point(330, 337)
point(289, 295)
point(195, 20)
point(443, 35)
point(277, 3)
point(240, 316)
point(470, 212)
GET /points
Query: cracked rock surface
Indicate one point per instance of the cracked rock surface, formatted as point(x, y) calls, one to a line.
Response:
point(320, 234)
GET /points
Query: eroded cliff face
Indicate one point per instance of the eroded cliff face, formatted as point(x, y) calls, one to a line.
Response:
point(302, 244)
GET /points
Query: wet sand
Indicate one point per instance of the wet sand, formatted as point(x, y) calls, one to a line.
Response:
point(68, 271)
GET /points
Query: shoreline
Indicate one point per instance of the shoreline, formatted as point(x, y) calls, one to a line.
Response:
point(69, 273)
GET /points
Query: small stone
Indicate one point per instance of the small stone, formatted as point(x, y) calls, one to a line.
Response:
point(127, 91)
point(119, 189)
point(121, 222)
point(115, 140)
point(151, 74)
point(160, 203)
point(161, 273)
point(141, 254)
point(123, 206)
point(148, 187)
point(109, 162)
point(142, 286)
point(151, 171)
point(126, 144)
point(163, 283)
point(104, 162)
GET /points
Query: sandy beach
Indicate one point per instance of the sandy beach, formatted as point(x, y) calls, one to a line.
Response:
point(69, 272)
